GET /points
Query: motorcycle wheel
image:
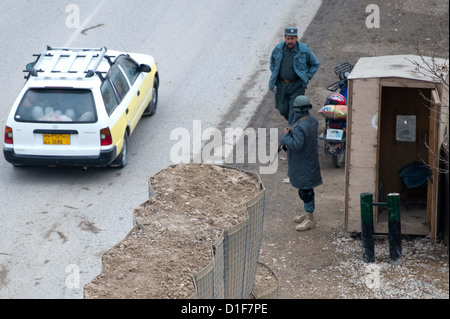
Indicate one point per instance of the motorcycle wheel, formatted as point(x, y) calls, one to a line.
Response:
point(338, 160)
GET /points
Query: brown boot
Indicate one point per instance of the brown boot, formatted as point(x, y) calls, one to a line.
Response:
point(308, 223)
point(299, 219)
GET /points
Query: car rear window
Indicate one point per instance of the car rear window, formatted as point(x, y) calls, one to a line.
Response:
point(57, 105)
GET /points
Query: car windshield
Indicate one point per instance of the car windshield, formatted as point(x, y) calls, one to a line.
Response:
point(57, 105)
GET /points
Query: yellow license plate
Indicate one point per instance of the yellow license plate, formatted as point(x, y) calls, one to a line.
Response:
point(57, 139)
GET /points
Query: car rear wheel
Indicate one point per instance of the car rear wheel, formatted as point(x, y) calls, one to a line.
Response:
point(122, 160)
point(151, 108)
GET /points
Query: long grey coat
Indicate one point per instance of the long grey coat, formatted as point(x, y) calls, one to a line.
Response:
point(302, 151)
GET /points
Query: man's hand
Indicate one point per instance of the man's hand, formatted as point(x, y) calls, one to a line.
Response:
point(286, 130)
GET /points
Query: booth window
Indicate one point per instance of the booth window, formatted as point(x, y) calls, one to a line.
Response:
point(406, 128)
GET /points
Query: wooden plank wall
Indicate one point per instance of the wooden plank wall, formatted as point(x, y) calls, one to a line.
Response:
point(434, 144)
point(362, 141)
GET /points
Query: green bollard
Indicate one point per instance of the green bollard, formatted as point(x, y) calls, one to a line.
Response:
point(367, 227)
point(395, 232)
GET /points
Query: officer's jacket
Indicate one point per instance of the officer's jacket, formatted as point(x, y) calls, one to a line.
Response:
point(305, 63)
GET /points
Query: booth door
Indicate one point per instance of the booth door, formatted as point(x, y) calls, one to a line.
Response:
point(404, 136)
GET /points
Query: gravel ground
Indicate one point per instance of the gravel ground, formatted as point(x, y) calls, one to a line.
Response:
point(423, 273)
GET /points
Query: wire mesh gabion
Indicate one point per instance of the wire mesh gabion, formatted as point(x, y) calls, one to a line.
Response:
point(232, 272)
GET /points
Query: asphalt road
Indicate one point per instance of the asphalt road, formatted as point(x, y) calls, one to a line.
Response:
point(213, 58)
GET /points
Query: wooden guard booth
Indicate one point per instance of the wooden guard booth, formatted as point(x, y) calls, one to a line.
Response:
point(394, 119)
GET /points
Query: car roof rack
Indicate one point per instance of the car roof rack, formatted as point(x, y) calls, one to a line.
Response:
point(68, 62)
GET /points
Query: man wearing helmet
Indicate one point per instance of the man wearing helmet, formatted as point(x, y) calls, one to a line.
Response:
point(301, 142)
point(292, 64)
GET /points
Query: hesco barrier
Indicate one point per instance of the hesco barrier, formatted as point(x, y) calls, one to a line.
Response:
point(231, 274)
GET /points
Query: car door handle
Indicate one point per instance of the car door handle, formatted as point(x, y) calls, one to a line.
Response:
point(127, 111)
point(138, 93)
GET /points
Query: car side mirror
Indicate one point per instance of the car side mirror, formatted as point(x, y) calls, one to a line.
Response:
point(30, 66)
point(145, 68)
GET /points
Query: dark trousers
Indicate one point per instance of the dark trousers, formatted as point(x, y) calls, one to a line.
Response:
point(285, 96)
point(307, 196)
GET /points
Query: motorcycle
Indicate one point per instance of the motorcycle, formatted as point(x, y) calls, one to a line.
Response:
point(335, 113)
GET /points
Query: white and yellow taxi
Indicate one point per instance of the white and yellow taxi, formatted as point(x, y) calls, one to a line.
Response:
point(79, 107)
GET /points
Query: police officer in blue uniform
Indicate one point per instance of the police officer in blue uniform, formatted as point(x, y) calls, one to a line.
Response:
point(293, 65)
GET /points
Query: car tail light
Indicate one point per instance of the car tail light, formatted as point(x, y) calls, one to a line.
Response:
point(8, 135)
point(105, 137)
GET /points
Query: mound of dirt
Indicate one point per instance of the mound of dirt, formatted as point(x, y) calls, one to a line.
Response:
point(176, 228)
